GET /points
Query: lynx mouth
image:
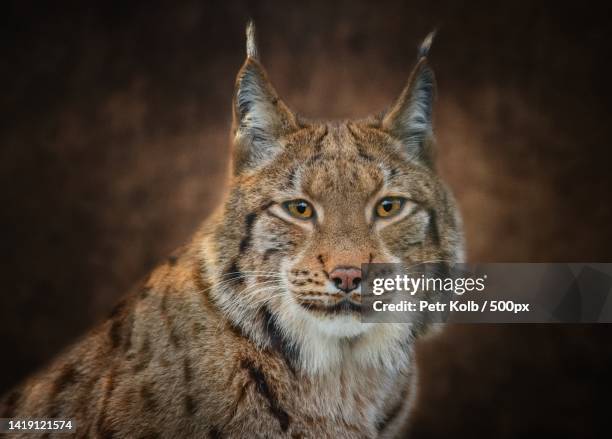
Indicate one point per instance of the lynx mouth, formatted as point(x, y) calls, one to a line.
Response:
point(344, 306)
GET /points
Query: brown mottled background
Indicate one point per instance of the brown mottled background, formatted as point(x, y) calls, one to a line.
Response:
point(113, 148)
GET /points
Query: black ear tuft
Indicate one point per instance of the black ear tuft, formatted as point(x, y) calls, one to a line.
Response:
point(426, 44)
point(410, 118)
point(260, 117)
point(251, 41)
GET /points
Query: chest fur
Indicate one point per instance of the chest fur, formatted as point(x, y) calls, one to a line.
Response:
point(349, 402)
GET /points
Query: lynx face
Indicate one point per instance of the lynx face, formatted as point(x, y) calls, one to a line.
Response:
point(312, 201)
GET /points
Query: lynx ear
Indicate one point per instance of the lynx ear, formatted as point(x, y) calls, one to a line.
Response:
point(410, 118)
point(260, 117)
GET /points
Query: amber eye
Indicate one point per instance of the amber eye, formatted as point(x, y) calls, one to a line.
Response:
point(389, 206)
point(300, 209)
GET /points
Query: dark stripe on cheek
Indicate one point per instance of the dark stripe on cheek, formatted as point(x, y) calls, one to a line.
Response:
point(233, 273)
point(289, 352)
point(264, 389)
point(433, 227)
point(246, 241)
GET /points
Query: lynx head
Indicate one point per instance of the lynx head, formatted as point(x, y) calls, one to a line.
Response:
point(309, 202)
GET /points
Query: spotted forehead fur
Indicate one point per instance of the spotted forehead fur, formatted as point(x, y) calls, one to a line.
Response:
point(347, 159)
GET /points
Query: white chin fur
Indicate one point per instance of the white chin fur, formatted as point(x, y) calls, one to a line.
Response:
point(323, 340)
point(332, 325)
point(340, 325)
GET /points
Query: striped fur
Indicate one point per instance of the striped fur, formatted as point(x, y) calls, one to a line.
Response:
point(242, 334)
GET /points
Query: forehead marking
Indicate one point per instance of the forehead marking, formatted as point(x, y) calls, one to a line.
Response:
point(361, 149)
point(334, 145)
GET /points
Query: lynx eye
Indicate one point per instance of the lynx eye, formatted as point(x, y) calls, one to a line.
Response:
point(300, 209)
point(389, 206)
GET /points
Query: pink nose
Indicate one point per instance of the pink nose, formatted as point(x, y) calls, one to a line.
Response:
point(346, 278)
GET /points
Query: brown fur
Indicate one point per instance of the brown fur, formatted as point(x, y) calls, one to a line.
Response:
point(239, 335)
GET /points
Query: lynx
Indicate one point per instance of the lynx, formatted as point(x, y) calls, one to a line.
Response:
point(253, 329)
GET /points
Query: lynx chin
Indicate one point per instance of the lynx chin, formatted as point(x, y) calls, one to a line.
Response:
point(253, 328)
